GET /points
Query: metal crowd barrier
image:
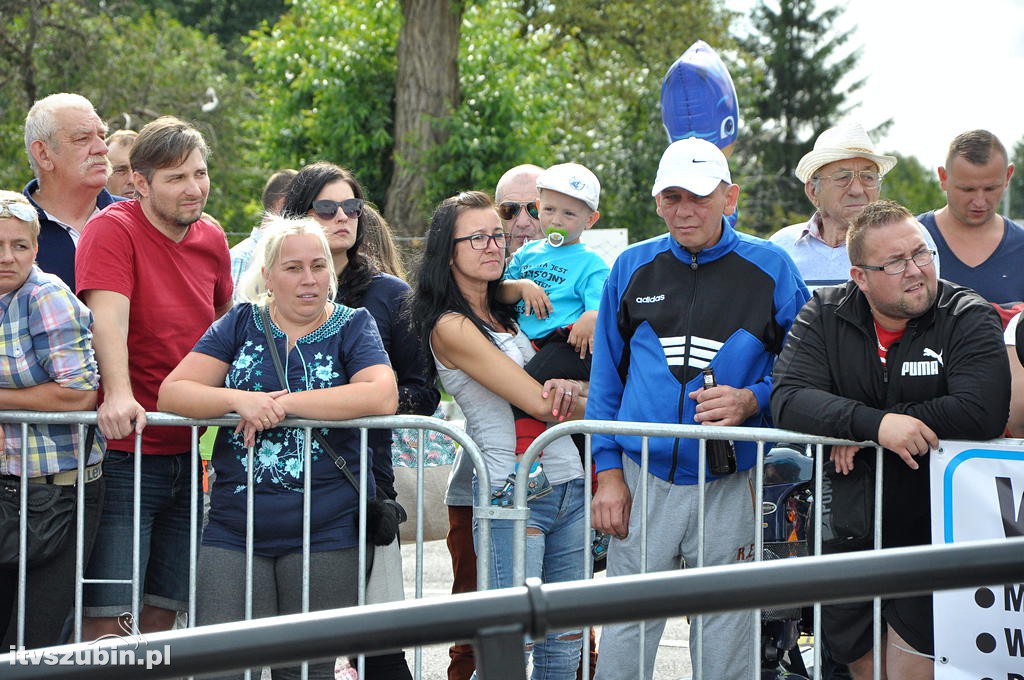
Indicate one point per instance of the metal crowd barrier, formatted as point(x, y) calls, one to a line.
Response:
point(498, 619)
point(484, 513)
point(813, 446)
point(85, 418)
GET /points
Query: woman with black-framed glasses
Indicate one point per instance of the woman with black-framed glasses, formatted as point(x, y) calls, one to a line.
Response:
point(334, 197)
point(479, 353)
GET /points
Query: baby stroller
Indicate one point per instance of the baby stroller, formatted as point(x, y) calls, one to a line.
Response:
point(788, 494)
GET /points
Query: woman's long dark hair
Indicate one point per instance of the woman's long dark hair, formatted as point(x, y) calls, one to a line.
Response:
point(436, 292)
point(355, 278)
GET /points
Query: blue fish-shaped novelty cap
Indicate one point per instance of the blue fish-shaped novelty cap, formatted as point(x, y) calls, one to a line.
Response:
point(698, 98)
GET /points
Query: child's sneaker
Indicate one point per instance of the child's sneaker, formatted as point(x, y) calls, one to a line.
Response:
point(503, 496)
point(537, 485)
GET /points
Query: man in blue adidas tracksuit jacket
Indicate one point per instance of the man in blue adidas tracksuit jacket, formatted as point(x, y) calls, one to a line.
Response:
point(701, 295)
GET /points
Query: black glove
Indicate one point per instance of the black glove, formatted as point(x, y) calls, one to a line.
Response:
point(382, 520)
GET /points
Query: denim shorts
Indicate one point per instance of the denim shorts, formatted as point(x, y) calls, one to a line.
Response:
point(166, 516)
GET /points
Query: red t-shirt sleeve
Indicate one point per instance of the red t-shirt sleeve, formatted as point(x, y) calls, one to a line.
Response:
point(224, 288)
point(105, 258)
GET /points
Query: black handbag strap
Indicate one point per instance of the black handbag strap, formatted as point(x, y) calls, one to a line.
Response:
point(339, 462)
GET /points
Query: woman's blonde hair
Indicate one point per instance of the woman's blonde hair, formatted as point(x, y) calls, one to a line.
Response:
point(33, 224)
point(253, 284)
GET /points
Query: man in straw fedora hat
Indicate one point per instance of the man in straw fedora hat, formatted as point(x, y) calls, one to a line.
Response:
point(841, 175)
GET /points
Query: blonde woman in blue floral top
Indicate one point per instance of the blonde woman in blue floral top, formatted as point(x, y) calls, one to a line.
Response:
point(46, 364)
point(336, 369)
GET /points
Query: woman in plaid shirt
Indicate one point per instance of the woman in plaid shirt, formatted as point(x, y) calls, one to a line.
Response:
point(46, 364)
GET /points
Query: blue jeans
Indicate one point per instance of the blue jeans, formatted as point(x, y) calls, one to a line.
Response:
point(555, 554)
point(166, 516)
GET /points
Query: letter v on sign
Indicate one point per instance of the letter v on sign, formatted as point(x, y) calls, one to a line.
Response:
point(1013, 522)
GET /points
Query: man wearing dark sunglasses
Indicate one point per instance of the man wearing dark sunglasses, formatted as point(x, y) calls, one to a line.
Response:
point(516, 198)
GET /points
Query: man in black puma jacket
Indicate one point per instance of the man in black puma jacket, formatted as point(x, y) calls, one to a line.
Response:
point(897, 357)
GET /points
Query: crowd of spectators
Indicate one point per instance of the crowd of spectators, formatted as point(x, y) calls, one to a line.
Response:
point(119, 293)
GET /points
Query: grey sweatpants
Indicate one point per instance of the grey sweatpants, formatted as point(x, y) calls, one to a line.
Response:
point(672, 536)
point(277, 589)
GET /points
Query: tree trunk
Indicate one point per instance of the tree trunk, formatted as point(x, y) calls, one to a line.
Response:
point(426, 88)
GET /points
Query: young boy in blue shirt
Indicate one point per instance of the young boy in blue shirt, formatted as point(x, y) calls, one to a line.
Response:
point(559, 280)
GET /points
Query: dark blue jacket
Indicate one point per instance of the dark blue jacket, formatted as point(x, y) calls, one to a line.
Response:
point(416, 394)
point(56, 249)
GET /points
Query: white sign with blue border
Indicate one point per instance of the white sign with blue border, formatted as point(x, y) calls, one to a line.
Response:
point(978, 494)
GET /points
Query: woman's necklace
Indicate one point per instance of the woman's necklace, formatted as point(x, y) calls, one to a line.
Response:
point(490, 320)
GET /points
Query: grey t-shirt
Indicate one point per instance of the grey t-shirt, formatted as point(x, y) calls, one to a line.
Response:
point(489, 422)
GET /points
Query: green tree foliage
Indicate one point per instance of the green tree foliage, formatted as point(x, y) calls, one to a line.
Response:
point(29, 48)
point(538, 83)
point(326, 88)
point(327, 92)
point(611, 118)
point(510, 111)
point(133, 69)
point(790, 92)
point(228, 20)
point(913, 185)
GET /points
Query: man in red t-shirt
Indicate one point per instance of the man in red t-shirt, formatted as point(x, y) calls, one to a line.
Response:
point(155, 276)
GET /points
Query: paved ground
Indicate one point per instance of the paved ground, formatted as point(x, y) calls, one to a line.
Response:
point(673, 656)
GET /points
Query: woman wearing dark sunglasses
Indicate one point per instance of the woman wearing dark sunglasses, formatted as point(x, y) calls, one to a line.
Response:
point(334, 198)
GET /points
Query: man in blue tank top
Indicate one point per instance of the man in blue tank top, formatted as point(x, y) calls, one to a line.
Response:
point(979, 248)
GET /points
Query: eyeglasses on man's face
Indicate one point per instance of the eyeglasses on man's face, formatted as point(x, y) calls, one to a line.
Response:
point(507, 210)
point(921, 258)
point(869, 179)
point(326, 209)
point(17, 210)
point(479, 241)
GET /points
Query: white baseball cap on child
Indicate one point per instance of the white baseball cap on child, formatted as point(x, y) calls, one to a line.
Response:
point(693, 164)
point(572, 179)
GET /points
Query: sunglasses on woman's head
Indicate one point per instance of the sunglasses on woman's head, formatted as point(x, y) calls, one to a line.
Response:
point(507, 210)
point(326, 209)
point(18, 210)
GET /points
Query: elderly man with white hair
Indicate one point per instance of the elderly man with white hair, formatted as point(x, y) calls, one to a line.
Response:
point(841, 175)
point(65, 147)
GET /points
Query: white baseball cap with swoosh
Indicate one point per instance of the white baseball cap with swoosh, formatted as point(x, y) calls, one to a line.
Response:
point(693, 164)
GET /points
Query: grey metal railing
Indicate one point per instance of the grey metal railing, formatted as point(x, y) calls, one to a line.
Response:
point(814, 446)
point(498, 619)
point(84, 418)
point(646, 431)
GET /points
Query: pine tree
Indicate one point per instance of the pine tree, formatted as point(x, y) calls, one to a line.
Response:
point(792, 95)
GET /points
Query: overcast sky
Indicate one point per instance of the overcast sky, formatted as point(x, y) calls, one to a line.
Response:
point(935, 68)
